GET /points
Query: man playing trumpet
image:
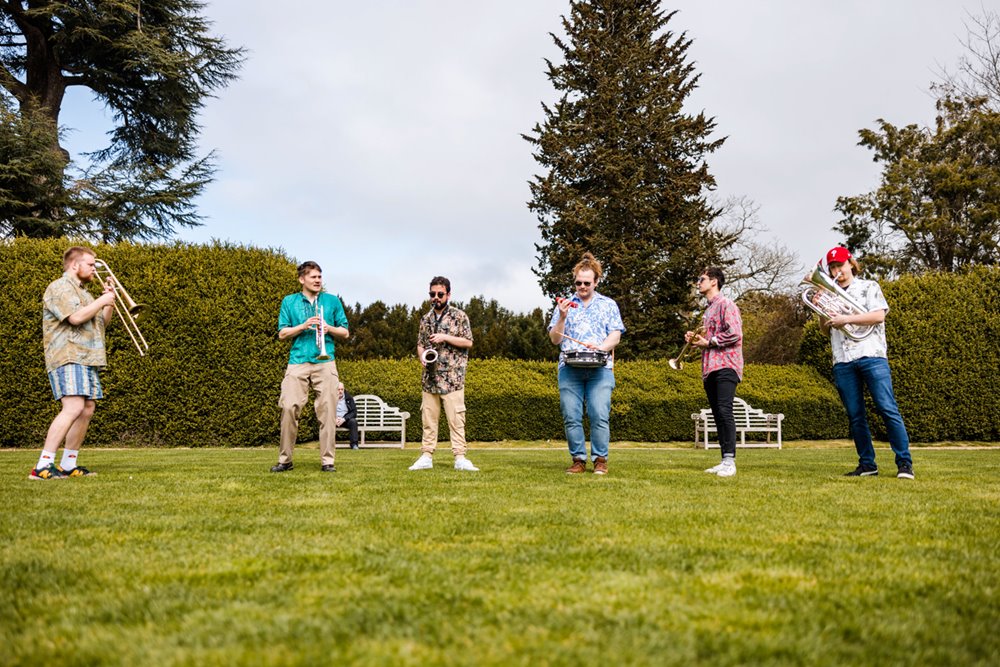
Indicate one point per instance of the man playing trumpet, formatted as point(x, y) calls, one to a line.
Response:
point(311, 336)
point(721, 362)
point(443, 343)
point(861, 363)
point(73, 324)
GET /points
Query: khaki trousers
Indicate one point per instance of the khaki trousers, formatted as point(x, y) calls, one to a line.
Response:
point(454, 410)
point(295, 393)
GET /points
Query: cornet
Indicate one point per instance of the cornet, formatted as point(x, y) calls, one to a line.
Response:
point(128, 310)
point(823, 295)
point(320, 333)
point(677, 362)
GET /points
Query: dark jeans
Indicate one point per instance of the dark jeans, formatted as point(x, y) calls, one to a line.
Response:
point(851, 379)
point(352, 429)
point(720, 386)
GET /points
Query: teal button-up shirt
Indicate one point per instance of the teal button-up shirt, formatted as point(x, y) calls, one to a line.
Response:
point(295, 310)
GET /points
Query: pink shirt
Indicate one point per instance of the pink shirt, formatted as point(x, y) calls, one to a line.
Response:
point(724, 328)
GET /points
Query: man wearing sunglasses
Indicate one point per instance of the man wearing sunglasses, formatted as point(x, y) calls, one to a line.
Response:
point(443, 343)
point(587, 322)
point(721, 362)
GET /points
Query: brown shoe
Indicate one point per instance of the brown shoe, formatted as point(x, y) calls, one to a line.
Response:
point(600, 466)
point(577, 467)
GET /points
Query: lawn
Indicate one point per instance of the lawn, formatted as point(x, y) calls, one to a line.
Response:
point(203, 557)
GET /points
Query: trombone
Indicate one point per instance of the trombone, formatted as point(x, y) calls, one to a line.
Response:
point(128, 310)
point(677, 362)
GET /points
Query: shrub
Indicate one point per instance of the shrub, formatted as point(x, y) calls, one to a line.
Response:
point(213, 373)
point(943, 331)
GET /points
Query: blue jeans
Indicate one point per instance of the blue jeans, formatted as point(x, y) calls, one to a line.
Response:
point(591, 386)
point(851, 378)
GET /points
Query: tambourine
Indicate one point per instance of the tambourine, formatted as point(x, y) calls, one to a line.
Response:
point(586, 358)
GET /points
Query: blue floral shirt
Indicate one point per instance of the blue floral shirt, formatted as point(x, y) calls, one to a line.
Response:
point(590, 323)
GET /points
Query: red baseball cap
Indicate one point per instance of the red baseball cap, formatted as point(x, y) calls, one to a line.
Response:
point(838, 255)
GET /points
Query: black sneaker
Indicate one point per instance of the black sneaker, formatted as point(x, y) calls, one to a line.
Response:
point(328, 468)
point(78, 471)
point(863, 471)
point(282, 467)
point(905, 471)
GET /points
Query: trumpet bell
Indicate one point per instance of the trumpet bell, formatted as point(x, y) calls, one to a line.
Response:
point(676, 364)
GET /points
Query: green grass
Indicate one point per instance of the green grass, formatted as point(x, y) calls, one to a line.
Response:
point(202, 557)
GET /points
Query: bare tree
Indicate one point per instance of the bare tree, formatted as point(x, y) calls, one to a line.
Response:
point(978, 72)
point(755, 266)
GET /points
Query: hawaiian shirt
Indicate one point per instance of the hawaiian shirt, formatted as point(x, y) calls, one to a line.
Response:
point(590, 323)
point(724, 329)
point(66, 343)
point(296, 309)
point(447, 374)
point(869, 295)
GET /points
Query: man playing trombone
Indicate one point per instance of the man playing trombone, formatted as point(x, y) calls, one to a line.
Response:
point(310, 319)
point(73, 324)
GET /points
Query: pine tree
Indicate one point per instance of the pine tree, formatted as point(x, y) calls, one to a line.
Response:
point(626, 174)
point(152, 63)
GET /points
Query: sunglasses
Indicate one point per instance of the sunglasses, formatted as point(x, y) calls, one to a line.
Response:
point(438, 294)
point(584, 283)
point(702, 279)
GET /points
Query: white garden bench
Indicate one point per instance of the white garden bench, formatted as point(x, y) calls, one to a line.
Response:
point(375, 415)
point(748, 420)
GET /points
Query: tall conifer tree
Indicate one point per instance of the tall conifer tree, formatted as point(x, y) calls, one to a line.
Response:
point(152, 63)
point(626, 175)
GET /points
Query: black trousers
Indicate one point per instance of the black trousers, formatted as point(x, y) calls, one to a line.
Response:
point(720, 386)
point(351, 425)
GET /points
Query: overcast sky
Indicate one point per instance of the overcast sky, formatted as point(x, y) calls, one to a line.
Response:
point(382, 139)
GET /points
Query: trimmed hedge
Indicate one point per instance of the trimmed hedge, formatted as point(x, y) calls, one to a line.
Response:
point(213, 373)
point(943, 332)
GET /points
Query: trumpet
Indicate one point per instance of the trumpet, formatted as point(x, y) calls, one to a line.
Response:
point(321, 333)
point(823, 295)
point(677, 362)
point(128, 310)
point(429, 356)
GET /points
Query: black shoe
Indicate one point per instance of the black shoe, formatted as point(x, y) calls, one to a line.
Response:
point(282, 467)
point(328, 468)
point(354, 445)
point(863, 471)
point(905, 471)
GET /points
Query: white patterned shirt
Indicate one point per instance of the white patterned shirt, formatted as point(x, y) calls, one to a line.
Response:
point(590, 323)
point(869, 295)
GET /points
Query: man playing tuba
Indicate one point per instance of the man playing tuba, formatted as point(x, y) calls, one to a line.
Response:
point(864, 362)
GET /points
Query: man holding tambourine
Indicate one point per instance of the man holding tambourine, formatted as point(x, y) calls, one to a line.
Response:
point(586, 327)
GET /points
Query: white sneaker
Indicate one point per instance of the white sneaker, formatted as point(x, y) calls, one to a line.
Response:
point(714, 470)
point(727, 468)
point(462, 463)
point(425, 462)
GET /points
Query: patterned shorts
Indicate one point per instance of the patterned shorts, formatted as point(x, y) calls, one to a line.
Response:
point(75, 380)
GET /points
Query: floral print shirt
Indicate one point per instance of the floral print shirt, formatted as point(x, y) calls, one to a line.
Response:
point(65, 343)
point(590, 323)
point(869, 295)
point(724, 328)
point(447, 374)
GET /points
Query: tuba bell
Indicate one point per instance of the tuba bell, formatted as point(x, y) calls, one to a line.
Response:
point(822, 294)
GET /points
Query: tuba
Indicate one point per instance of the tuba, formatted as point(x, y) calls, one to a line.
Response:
point(823, 295)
